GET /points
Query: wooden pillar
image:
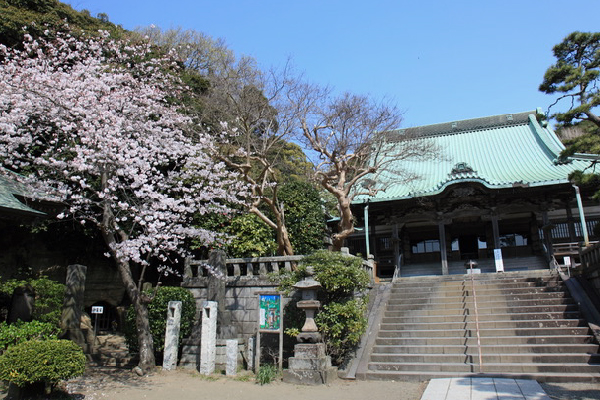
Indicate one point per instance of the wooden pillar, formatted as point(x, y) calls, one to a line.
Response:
point(443, 247)
point(396, 243)
point(547, 229)
point(570, 222)
point(496, 231)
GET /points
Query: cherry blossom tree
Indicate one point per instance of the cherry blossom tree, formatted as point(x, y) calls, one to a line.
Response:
point(95, 121)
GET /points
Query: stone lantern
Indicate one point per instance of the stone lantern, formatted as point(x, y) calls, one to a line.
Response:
point(308, 289)
point(310, 364)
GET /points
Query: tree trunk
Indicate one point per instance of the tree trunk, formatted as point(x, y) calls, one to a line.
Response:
point(284, 245)
point(142, 324)
point(346, 225)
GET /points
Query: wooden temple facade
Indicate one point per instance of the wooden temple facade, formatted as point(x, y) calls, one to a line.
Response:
point(496, 184)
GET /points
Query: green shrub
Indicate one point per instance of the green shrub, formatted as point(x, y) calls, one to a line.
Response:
point(267, 374)
point(304, 215)
point(20, 331)
point(341, 319)
point(36, 361)
point(157, 315)
point(342, 325)
point(340, 275)
point(49, 297)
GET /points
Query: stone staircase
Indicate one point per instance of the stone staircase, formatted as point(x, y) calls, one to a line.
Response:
point(112, 351)
point(529, 327)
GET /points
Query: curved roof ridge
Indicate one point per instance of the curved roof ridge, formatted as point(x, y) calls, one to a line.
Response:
point(481, 123)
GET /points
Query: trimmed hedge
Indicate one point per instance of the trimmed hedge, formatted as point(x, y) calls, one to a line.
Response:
point(46, 361)
point(20, 331)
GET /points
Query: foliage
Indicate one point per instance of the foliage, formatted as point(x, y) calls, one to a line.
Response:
point(250, 237)
point(40, 15)
point(111, 144)
point(304, 215)
point(47, 361)
point(49, 297)
point(342, 324)
point(340, 275)
point(20, 331)
point(341, 319)
point(267, 374)
point(575, 77)
point(157, 314)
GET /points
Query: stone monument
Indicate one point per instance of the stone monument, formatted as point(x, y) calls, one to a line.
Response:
point(310, 364)
point(208, 341)
point(72, 310)
point(172, 335)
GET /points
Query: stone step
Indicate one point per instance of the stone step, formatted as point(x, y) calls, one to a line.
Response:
point(487, 367)
point(481, 298)
point(420, 376)
point(472, 324)
point(481, 293)
point(586, 342)
point(470, 316)
point(529, 326)
point(471, 348)
point(483, 287)
point(511, 303)
point(536, 277)
point(491, 332)
point(487, 310)
point(487, 358)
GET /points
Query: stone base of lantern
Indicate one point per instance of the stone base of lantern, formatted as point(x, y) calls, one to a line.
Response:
point(309, 366)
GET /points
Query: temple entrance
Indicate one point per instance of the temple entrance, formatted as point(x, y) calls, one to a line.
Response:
point(469, 241)
point(468, 247)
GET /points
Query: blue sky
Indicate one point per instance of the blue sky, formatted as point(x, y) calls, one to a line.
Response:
point(439, 61)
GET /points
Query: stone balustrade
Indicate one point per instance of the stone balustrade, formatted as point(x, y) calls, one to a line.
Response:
point(258, 267)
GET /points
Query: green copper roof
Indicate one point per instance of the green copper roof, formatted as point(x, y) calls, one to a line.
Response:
point(11, 191)
point(498, 152)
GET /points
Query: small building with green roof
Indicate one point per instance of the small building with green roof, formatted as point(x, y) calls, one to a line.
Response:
point(496, 183)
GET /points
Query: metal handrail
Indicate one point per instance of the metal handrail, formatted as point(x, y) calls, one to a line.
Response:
point(476, 319)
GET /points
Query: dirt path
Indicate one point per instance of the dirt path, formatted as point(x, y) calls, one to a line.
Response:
point(118, 384)
point(188, 385)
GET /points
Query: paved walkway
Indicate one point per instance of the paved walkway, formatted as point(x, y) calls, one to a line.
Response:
point(483, 389)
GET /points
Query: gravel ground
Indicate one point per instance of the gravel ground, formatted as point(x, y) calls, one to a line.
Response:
point(572, 391)
point(119, 384)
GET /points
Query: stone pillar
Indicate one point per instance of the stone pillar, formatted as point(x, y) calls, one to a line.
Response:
point(172, 335)
point(208, 339)
point(73, 306)
point(232, 353)
point(216, 293)
point(250, 353)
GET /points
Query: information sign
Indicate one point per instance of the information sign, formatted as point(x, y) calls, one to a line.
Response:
point(270, 312)
point(97, 309)
point(498, 259)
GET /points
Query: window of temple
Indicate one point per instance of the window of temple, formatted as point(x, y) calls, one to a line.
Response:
point(426, 246)
point(513, 240)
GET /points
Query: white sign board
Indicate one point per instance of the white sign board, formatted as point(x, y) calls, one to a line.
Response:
point(97, 310)
point(498, 258)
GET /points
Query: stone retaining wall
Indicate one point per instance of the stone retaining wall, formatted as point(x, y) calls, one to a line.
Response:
point(241, 301)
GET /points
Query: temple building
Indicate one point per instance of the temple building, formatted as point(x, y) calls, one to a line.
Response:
point(496, 193)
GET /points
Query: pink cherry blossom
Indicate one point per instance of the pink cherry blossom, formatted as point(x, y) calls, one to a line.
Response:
point(96, 121)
